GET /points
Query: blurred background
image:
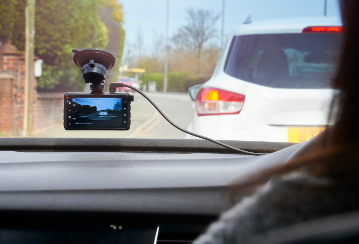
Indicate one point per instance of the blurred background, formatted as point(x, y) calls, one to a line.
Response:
point(167, 46)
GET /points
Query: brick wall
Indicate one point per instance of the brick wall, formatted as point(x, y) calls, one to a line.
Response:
point(12, 92)
point(6, 102)
point(48, 110)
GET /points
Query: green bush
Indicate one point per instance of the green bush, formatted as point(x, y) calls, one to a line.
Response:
point(12, 22)
point(195, 80)
point(177, 82)
point(158, 77)
point(60, 26)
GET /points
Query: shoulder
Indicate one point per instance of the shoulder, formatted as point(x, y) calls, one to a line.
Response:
point(278, 203)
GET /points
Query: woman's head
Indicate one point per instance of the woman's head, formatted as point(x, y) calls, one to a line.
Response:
point(347, 79)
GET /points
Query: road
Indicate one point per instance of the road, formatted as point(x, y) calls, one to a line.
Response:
point(146, 122)
point(178, 108)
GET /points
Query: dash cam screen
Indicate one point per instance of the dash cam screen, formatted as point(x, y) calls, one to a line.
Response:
point(95, 111)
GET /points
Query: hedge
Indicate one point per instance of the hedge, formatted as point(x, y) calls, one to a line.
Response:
point(177, 82)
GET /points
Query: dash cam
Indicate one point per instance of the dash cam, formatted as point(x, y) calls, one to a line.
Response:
point(96, 110)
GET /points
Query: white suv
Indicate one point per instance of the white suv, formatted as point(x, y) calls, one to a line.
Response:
point(272, 82)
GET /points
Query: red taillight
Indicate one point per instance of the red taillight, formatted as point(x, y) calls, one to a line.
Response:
point(214, 101)
point(311, 29)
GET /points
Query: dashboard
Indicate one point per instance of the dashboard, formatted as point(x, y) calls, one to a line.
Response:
point(99, 190)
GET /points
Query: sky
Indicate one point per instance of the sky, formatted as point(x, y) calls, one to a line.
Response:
point(101, 104)
point(149, 16)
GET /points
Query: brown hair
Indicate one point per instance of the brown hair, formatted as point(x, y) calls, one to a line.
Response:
point(338, 155)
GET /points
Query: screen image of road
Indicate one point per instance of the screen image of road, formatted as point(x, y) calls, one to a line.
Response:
point(104, 112)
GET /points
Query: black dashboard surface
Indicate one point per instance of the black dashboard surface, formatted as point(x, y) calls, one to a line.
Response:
point(156, 177)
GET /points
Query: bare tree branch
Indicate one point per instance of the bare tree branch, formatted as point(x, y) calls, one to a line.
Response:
point(200, 28)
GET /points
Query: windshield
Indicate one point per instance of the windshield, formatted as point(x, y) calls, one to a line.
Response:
point(270, 85)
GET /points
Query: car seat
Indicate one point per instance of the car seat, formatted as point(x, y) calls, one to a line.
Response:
point(343, 228)
point(273, 68)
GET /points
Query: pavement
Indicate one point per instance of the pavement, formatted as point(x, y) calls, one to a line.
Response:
point(146, 122)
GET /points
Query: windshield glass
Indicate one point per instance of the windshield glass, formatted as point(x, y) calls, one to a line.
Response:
point(272, 84)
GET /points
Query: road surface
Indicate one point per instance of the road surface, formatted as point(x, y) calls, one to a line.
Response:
point(146, 122)
point(178, 108)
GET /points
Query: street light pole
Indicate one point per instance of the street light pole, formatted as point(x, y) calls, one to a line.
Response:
point(165, 81)
point(29, 65)
point(223, 4)
point(325, 7)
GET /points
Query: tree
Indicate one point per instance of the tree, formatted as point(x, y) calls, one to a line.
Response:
point(116, 7)
point(186, 55)
point(153, 60)
point(12, 22)
point(200, 28)
point(117, 107)
point(111, 13)
point(60, 26)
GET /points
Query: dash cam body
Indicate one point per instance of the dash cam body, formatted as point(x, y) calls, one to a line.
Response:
point(97, 112)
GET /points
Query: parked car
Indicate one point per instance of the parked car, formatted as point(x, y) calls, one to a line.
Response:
point(271, 83)
point(128, 81)
point(103, 112)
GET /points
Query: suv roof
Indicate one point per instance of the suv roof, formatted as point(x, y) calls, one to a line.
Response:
point(284, 25)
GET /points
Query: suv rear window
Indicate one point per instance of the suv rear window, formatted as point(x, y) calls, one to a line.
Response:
point(299, 61)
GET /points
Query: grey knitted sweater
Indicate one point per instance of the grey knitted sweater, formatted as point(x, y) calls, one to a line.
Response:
point(279, 203)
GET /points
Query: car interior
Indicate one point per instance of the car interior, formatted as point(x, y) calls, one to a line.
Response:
point(150, 190)
point(137, 185)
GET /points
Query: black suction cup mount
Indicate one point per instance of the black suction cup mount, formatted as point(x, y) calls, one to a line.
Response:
point(94, 64)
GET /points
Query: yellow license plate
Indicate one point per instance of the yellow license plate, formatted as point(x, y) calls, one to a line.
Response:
point(301, 134)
